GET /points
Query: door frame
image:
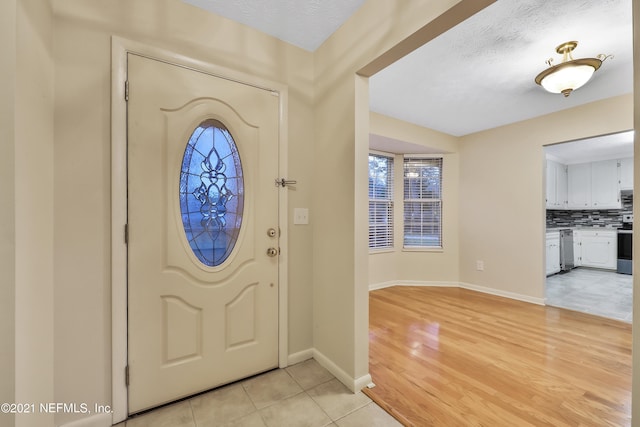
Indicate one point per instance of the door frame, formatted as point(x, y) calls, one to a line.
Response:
point(120, 47)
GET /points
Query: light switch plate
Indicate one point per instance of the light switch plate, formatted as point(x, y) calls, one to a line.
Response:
point(301, 216)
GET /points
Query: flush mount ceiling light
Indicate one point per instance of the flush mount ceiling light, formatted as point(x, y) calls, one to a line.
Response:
point(571, 73)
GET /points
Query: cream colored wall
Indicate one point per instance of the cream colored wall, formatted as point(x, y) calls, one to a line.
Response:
point(502, 212)
point(434, 267)
point(366, 42)
point(393, 128)
point(82, 160)
point(34, 210)
point(500, 181)
point(340, 250)
point(7, 205)
point(82, 219)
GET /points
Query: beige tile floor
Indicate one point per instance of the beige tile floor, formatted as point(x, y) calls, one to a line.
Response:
point(302, 395)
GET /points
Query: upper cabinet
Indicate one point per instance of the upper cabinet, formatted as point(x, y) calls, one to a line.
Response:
point(605, 185)
point(594, 185)
point(579, 186)
point(626, 173)
point(556, 185)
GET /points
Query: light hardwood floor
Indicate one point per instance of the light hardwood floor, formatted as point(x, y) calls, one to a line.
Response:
point(453, 357)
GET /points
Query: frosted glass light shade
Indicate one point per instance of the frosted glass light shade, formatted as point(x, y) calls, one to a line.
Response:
point(571, 73)
point(567, 77)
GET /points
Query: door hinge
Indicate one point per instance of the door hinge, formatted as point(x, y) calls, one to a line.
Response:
point(126, 375)
point(126, 234)
point(126, 90)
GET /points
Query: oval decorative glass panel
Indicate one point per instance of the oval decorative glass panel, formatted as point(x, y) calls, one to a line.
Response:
point(211, 192)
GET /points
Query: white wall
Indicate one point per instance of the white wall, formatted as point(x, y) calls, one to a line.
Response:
point(83, 171)
point(82, 221)
point(432, 267)
point(502, 212)
point(7, 204)
point(340, 250)
point(500, 217)
point(34, 232)
point(326, 310)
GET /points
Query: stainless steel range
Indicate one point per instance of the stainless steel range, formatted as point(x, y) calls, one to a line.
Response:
point(625, 245)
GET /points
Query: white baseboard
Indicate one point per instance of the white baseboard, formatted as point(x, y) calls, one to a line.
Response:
point(353, 384)
point(383, 285)
point(300, 356)
point(501, 293)
point(97, 420)
point(362, 382)
point(469, 286)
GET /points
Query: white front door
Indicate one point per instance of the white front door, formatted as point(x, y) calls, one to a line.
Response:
point(202, 216)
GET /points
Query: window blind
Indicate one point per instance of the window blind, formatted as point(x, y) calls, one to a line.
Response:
point(422, 202)
point(380, 201)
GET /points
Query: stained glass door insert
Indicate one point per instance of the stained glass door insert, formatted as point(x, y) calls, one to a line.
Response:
point(211, 192)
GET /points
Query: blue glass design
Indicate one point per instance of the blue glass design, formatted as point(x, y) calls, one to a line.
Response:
point(211, 192)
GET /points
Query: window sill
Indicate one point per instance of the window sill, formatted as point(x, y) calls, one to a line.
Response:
point(381, 251)
point(424, 249)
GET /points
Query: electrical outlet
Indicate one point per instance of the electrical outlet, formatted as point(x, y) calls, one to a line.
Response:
point(480, 265)
point(301, 216)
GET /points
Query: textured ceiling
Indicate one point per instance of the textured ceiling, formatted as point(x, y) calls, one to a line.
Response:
point(479, 75)
point(303, 23)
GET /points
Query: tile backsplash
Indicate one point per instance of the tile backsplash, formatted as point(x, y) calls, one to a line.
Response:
point(591, 218)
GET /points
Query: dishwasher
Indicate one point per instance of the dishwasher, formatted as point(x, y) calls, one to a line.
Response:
point(566, 250)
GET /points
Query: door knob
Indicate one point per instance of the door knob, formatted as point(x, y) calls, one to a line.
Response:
point(272, 252)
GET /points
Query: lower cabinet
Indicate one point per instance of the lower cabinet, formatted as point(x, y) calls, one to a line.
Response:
point(591, 248)
point(599, 248)
point(577, 248)
point(553, 252)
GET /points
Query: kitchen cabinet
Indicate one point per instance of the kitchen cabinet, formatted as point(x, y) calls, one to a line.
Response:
point(562, 187)
point(605, 185)
point(577, 248)
point(579, 186)
point(626, 173)
point(556, 185)
point(599, 248)
point(594, 185)
point(553, 252)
